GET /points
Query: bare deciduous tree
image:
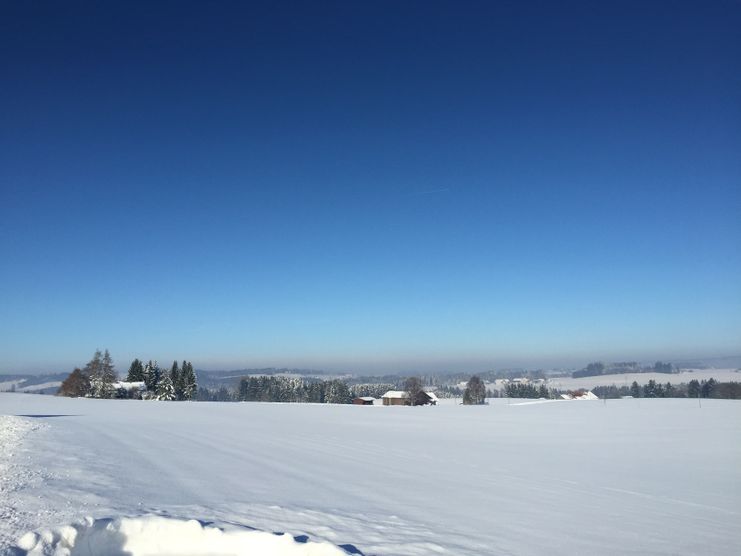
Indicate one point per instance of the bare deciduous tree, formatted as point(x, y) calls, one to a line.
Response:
point(413, 388)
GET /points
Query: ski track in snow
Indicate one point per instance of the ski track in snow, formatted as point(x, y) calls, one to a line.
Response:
point(626, 477)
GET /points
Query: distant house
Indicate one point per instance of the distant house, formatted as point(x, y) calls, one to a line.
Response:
point(432, 398)
point(579, 395)
point(363, 400)
point(125, 389)
point(123, 385)
point(400, 397)
point(395, 397)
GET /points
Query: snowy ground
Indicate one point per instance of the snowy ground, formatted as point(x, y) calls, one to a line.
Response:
point(624, 477)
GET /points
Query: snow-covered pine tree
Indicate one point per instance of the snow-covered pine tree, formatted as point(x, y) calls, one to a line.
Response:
point(635, 390)
point(165, 389)
point(649, 390)
point(190, 385)
point(107, 376)
point(94, 371)
point(693, 388)
point(337, 392)
point(176, 378)
point(151, 376)
point(180, 385)
point(543, 392)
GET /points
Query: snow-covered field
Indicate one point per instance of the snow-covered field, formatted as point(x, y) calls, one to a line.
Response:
point(660, 476)
point(568, 383)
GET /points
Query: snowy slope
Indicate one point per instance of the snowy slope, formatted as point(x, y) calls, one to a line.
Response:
point(52, 386)
point(8, 385)
point(623, 477)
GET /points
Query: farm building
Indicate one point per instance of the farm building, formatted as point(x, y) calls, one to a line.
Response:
point(579, 395)
point(395, 397)
point(363, 400)
point(125, 389)
point(399, 397)
point(432, 399)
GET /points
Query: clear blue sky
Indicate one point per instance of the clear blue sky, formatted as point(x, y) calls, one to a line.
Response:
point(369, 186)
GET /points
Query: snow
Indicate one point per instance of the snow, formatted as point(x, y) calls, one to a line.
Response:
point(589, 395)
point(632, 476)
point(123, 385)
point(395, 394)
point(163, 535)
point(17, 474)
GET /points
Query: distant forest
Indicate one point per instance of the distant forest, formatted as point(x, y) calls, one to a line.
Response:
point(693, 389)
point(294, 390)
point(598, 368)
point(98, 379)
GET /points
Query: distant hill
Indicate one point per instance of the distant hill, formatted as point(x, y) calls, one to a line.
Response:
point(36, 384)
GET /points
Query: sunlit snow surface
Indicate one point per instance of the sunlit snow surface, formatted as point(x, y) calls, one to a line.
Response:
point(622, 477)
point(162, 535)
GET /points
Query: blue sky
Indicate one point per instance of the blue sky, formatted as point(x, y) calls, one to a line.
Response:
point(369, 187)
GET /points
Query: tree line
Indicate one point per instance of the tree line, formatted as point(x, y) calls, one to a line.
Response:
point(693, 389)
point(95, 380)
point(302, 390)
point(98, 379)
point(525, 390)
point(293, 390)
point(177, 384)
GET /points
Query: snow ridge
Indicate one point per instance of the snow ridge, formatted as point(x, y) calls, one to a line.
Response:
point(152, 534)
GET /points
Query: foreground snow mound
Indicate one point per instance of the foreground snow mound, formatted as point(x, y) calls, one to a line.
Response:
point(150, 535)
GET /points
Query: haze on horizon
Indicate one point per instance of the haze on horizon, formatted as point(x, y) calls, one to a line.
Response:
point(380, 187)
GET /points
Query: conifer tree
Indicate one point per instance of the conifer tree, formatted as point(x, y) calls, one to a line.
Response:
point(165, 389)
point(136, 372)
point(543, 392)
point(176, 377)
point(180, 386)
point(189, 383)
point(151, 376)
point(649, 390)
point(635, 390)
point(693, 388)
point(337, 392)
point(107, 376)
point(94, 371)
